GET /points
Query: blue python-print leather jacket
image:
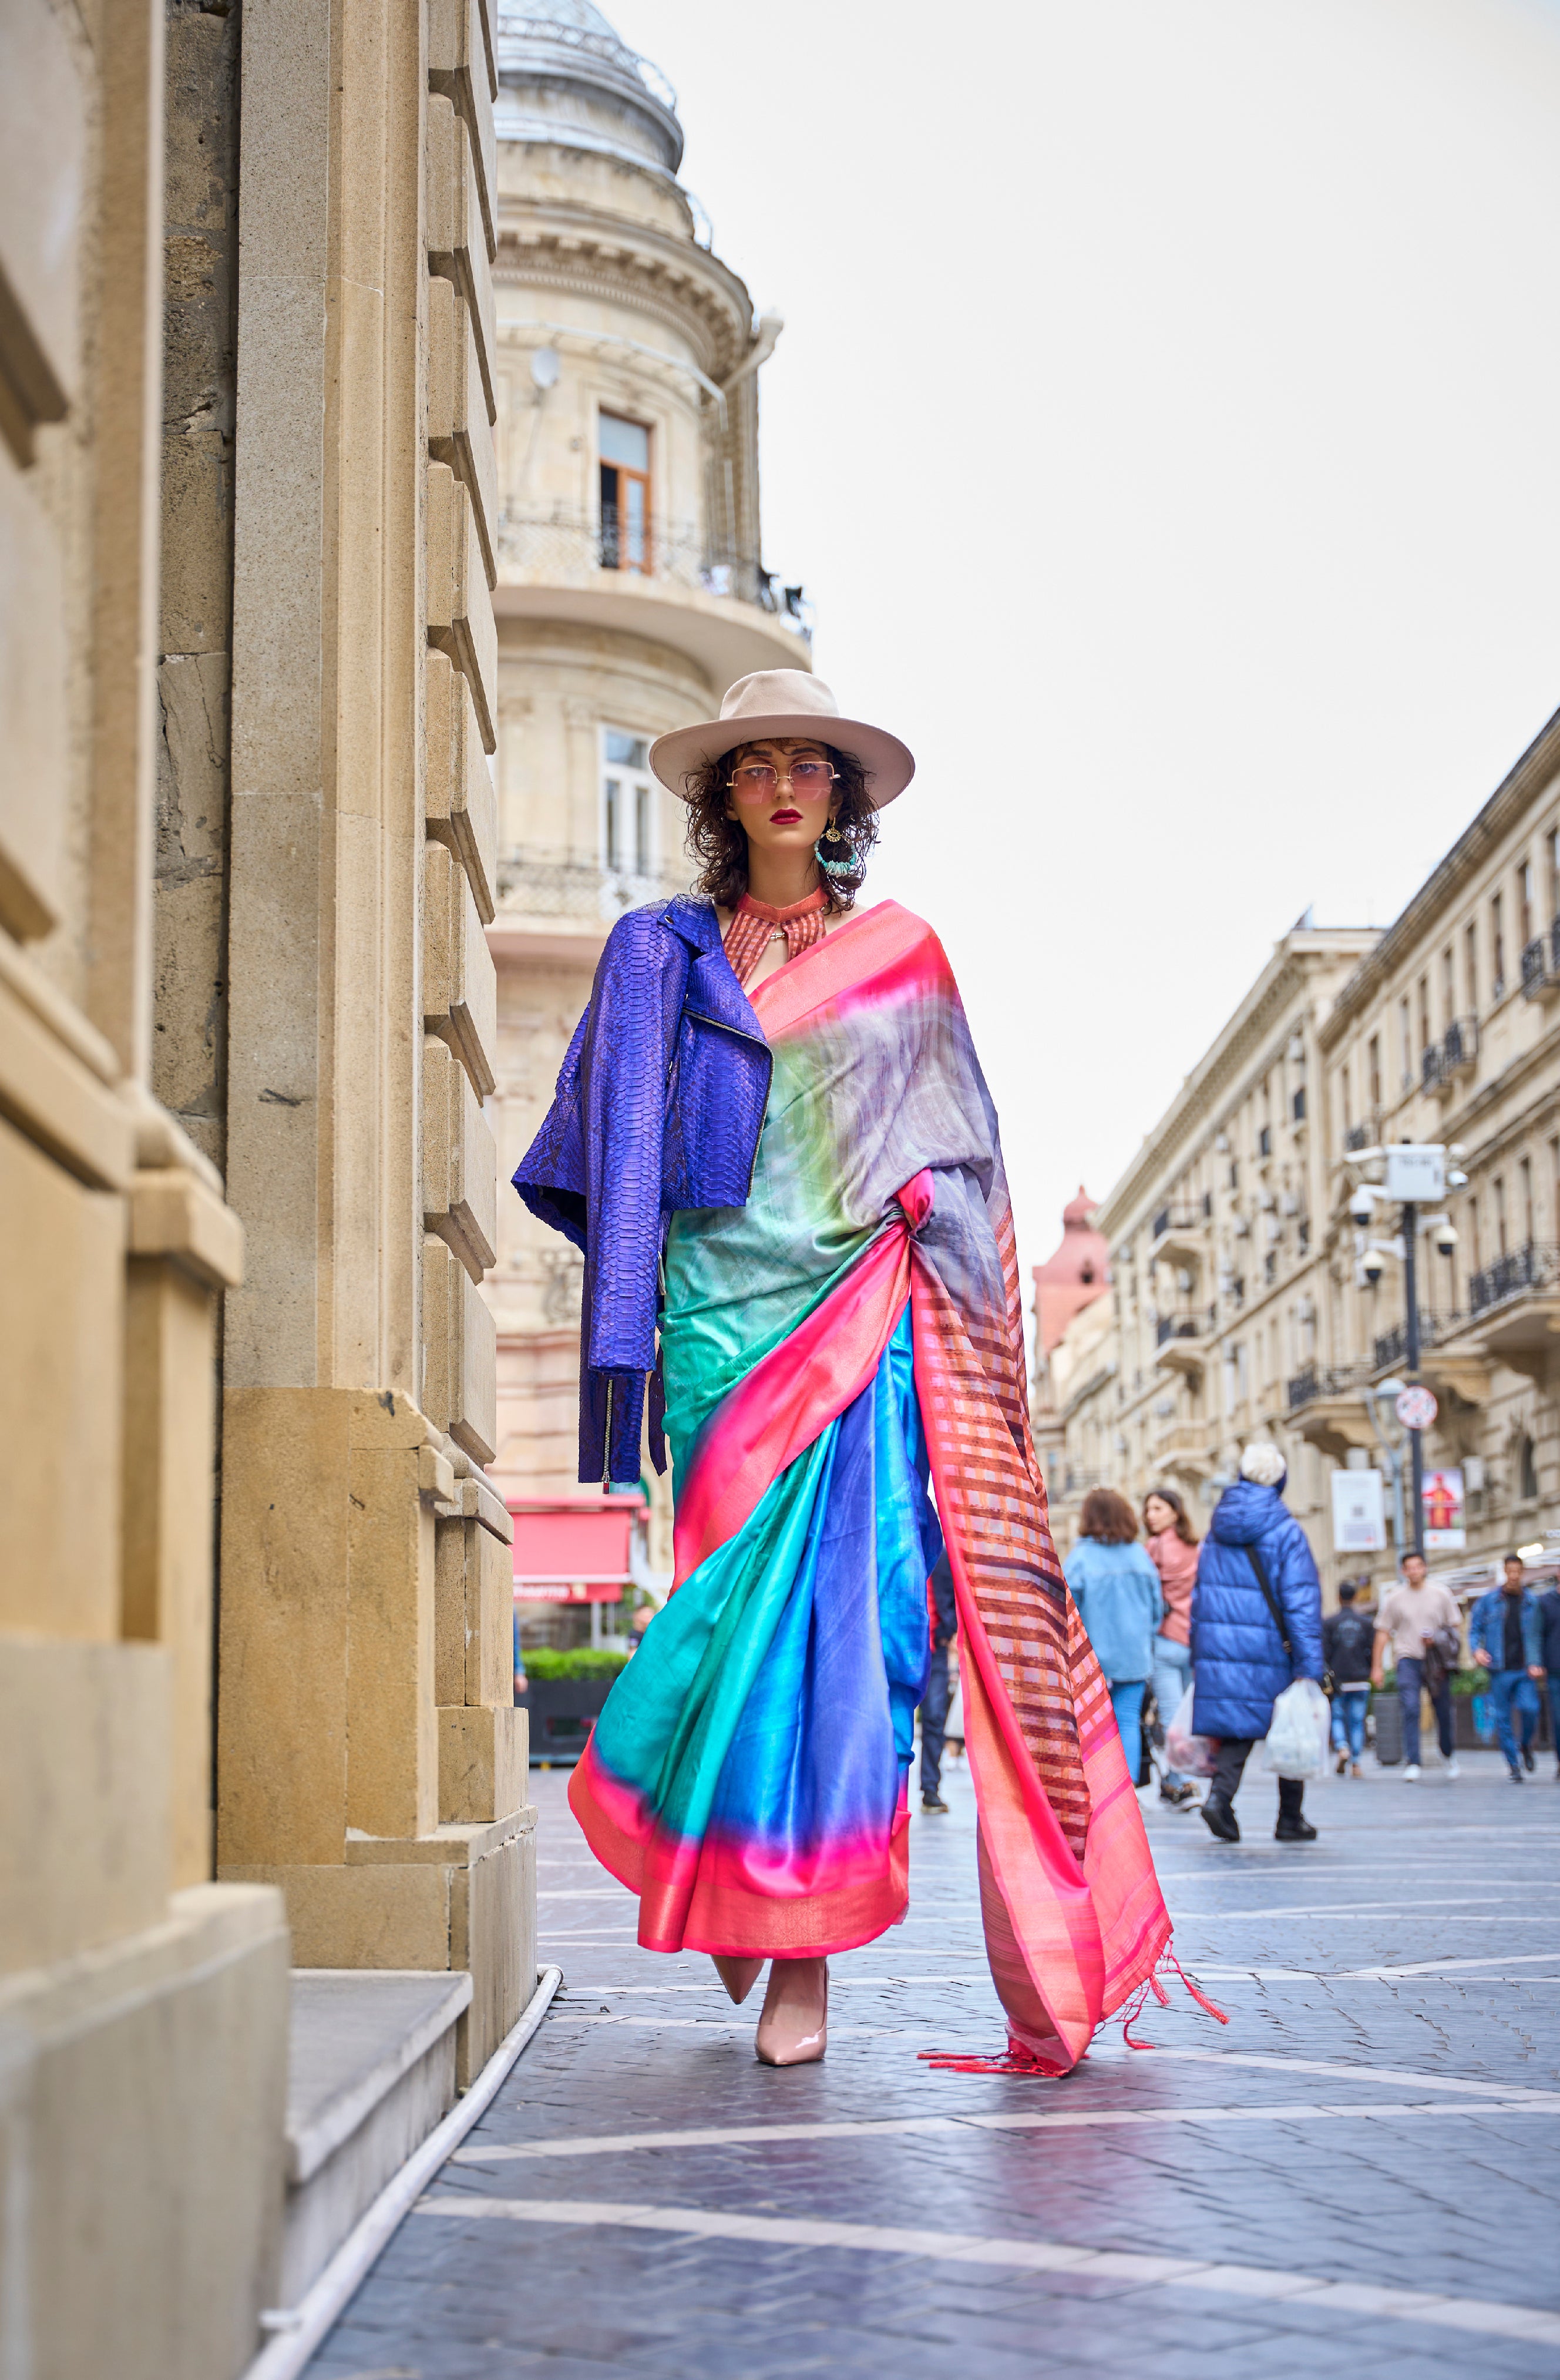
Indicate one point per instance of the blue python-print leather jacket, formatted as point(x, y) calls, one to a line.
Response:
point(658, 1107)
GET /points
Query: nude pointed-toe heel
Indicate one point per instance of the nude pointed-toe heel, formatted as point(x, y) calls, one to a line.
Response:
point(739, 1975)
point(794, 2029)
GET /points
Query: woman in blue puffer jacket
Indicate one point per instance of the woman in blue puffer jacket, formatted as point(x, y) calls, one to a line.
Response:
point(1238, 1655)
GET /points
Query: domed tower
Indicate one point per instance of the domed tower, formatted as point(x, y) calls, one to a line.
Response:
point(631, 591)
point(1075, 1273)
point(1075, 1276)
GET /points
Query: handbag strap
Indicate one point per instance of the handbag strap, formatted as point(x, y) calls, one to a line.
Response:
point(1270, 1598)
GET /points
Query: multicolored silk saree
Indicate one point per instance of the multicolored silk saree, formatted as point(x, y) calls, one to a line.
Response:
point(848, 1340)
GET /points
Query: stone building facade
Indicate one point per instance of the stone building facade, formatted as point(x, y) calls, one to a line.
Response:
point(1217, 1258)
point(630, 592)
point(247, 1031)
point(1450, 1032)
point(1242, 1301)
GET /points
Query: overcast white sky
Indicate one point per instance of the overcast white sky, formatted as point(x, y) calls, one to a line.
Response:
point(1167, 427)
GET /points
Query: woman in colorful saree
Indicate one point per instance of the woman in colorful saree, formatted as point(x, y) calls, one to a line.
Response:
point(844, 1389)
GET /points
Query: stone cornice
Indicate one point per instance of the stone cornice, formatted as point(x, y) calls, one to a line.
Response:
point(1446, 882)
point(596, 255)
point(1216, 1073)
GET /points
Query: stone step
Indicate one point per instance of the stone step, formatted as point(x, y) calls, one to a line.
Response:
point(371, 2069)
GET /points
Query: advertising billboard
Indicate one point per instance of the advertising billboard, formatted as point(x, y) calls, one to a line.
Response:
point(1359, 1512)
point(1443, 1529)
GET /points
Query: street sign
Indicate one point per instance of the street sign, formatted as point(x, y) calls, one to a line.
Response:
point(1417, 1408)
point(1359, 1512)
point(1441, 1499)
point(1417, 1171)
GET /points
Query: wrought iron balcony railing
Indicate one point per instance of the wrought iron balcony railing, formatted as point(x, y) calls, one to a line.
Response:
point(1363, 1135)
point(1182, 1325)
point(538, 885)
point(567, 549)
point(1182, 1218)
point(1313, 1381)
point(1541, 963)
point(1392, 1347)
point(1537, 1266)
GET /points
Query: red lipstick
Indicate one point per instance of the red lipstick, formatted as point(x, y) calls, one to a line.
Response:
point(785, 817)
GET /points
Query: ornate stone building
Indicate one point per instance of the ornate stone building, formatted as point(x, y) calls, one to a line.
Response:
point(631, 591)
point(1246, 1297)
point(247, 1030)
point(1450, 1032)
point(1217, 1265)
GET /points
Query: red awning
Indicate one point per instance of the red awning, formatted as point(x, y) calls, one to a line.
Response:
point(573, 1553)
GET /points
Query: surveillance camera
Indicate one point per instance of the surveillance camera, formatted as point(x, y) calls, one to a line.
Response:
point(1446, 1239)
point(1360, 1207)
point(1456, 1181)
point(1373, 1267)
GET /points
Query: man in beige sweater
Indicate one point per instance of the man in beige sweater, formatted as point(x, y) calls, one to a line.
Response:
point(1411, 1614)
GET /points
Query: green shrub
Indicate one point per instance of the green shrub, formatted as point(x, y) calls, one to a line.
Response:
point(584, 1661)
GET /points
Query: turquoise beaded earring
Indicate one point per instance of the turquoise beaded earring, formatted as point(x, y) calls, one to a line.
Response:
point(842, 860)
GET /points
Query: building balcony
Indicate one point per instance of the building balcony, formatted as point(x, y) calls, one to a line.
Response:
point(725, 613)
point(1182, 1343)
point(1185, 1446)
point(1456, 1054)
point(1179, 1234)
point(1516, 1303)
point(1392, 1347)
point(1366, 1135)
point(1449, 1357)
point(1540, 964)
point(1312, 1382)
point(550, 905)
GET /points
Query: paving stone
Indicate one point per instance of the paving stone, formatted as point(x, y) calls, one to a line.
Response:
point(1399, 1877)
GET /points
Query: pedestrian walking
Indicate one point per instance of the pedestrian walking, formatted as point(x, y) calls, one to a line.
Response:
point(1256, 1626)
point(1172, 1548)
point(1420, 1621)
point(934, 1702)
point(774, 1147)
point(1506, 1636)
point(1121, 1604)
point(1348, 1635)
point(1549, 1653)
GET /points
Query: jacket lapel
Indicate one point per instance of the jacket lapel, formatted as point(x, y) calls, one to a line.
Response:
point(713, 990)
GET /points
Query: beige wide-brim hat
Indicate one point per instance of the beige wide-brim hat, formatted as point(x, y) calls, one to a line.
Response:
point(784, 702)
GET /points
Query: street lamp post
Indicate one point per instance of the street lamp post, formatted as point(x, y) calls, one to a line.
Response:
point(1415, 1171)
point(1416, 1436)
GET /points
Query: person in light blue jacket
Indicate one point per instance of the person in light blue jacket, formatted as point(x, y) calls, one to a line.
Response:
point(1120, 1603)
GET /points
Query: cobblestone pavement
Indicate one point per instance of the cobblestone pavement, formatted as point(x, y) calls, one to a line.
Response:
point(1363, 2169)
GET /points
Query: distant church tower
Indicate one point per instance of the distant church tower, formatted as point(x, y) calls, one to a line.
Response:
point(1073, 1276)
point(630, 593)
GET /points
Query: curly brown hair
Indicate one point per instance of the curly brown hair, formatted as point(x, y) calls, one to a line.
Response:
point(719, 843)
point(1107, 1518)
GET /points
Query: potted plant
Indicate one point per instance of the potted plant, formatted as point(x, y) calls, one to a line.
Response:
point(565, 1694)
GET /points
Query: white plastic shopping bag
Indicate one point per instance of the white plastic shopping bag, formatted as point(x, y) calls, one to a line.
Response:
point(1187, 1754)
point(1296, 1739)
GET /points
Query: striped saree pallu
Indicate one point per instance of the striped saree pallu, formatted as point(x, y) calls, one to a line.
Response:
point(840, 1353)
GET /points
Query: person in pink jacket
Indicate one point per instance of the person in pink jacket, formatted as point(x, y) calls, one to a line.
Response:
point(1172, 1548)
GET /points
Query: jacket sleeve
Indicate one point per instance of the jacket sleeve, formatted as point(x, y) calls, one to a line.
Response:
point(551, 1176)
point(1154, 1587)
point(1299, 1596)
point(626, 1052)
point(1478, 1631)
point(1076, 1571)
